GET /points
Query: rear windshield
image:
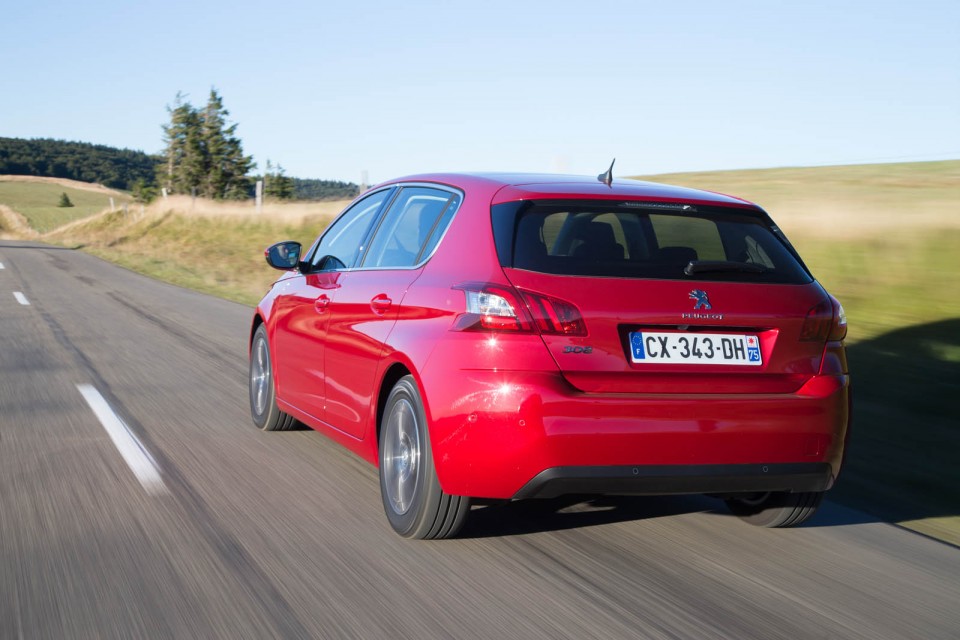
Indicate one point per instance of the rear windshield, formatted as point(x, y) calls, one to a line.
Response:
point(644, 240)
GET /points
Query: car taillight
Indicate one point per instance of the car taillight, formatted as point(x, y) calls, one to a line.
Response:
point(554, 316)
point(494, 307)
point(826, 321)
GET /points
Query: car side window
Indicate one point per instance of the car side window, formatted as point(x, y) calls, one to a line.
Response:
point(407, 226)
point(343, 239)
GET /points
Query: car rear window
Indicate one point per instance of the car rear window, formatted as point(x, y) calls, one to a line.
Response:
point(645, 240)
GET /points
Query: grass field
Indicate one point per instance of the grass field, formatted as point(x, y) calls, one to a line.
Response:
point(37, 200)
point(212, 247)
point(885, 239)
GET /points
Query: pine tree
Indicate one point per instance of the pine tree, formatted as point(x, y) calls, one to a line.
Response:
point(185, 156)
point(65, 200)
point(204, 154)
point(276, 184)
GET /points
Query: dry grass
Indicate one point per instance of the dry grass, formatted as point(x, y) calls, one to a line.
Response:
point(846, 202)
point(277, 212)
point(209, 246)
point(14, 225)
point(64, 182)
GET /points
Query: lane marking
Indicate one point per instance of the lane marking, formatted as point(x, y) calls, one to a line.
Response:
point(22, 299)
point(2, 267)
point(134, 454)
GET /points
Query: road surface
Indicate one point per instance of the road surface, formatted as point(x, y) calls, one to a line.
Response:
point(138, 501)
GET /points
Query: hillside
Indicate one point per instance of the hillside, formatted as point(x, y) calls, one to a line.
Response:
point(122, 168)
point(82, 161)
point(31, 203)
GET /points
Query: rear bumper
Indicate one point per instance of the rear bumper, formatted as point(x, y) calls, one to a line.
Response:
point(677, 479)
point(506, 434)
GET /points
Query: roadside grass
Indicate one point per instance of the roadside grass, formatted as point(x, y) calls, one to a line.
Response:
point(884, 239)
point(37, 202)
point(220, 255)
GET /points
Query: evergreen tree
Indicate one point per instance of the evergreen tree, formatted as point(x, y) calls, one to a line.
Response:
point(184, 166)
point(143, 192)
point(276, 184)
point(116, 168)
point(65, 200)
point(204, 154)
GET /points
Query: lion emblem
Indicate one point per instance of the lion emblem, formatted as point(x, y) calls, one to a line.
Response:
point(703, 302)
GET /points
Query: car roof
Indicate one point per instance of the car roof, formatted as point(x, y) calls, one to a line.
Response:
point(510, 187)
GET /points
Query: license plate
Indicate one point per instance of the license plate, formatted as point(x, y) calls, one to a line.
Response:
point(651, 347)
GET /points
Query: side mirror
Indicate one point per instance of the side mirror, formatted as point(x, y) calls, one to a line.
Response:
point(284, 255)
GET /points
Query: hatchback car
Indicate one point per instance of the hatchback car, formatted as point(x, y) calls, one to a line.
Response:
point(526, 336)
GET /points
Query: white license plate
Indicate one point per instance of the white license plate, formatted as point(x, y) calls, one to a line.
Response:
point(651, 347)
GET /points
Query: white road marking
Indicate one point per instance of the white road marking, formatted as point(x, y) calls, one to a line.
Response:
point(22, 299)
point(2, 267)
point(136, 456)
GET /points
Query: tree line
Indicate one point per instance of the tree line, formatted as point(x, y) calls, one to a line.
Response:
point(111, 167)
point(203, 156)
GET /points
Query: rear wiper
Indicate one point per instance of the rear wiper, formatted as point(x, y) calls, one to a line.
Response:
point(707, 266)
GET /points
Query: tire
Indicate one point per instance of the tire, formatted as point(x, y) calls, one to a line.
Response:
point(776, 509)
point(415, 504)
point(263, 396)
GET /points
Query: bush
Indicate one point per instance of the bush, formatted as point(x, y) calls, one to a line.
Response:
point(65, 201)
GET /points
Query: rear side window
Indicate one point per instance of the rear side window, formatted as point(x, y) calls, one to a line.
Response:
point(411, 227)
point(640, 240)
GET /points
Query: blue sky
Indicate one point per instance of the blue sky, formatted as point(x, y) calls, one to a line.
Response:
point(333, 89)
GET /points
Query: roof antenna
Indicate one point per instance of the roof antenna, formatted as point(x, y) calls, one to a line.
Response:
point(607, 178)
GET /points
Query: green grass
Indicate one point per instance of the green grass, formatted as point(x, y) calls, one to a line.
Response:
point(37, 202)
point(884, 239)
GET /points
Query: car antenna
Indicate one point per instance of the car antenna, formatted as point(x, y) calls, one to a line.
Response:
point(607, 178)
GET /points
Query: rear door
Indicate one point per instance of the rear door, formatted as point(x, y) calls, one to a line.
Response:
point(367, 303)
point(674, 298)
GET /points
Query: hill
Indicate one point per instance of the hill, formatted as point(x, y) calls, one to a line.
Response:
point(82, 161)
point(31, 203)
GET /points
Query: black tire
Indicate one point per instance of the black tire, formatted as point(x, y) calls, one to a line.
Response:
point(415, 504)
point(263, 396)
point(775, 509)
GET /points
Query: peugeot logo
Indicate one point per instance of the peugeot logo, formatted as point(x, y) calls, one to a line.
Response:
point(703, 302)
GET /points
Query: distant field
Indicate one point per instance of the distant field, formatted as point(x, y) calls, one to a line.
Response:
point(885, 239)
point(37, 200)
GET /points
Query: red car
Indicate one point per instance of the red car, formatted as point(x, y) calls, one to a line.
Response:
point(528, 336)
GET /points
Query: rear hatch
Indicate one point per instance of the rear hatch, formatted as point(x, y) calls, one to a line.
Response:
point(644, 297)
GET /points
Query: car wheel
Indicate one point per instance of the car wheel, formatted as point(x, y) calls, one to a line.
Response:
point(415, 504)
point(775, 509)
point(263, 399)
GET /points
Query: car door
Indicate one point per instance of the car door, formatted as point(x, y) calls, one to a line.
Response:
point(367, 304)
point(302, 307)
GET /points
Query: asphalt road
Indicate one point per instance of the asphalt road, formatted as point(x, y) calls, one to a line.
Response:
point(204, 527)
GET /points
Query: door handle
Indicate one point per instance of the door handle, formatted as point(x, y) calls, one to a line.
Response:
point(320, 304)
point(380, 303)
